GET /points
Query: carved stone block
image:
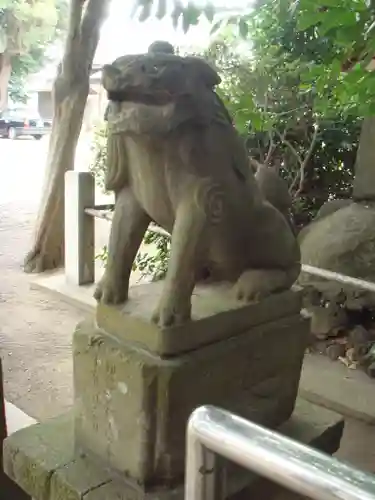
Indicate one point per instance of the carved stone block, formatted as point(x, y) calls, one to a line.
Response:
point(136, 384)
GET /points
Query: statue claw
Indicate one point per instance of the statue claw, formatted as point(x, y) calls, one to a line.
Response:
point(107, 292)
point(171, 313)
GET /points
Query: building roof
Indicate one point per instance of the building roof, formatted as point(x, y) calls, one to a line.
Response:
point(43, 81)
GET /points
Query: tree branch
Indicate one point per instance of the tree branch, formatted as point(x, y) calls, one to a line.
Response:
point(255, 164)
point(271, 148)
point(302, 172)
point(272, 145)
point(93, 19)
point(290, 146)
point(73, 38)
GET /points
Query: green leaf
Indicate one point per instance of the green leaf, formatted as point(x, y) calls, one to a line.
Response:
point(256, 121)
point(337, 18)
point(177, 13)
point(327, 3)
point(209, 12)
point(185, 22)
point(162, 9)
point(190, 16)
point(336, 68)
point(308, 19)
point(216, 26)
point(243, 28)
point(136, 5)
point(145, 11)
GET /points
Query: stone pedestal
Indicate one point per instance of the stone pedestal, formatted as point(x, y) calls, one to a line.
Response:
point(136, 384)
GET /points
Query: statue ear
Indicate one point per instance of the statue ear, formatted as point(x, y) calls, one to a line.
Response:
point(110, 75)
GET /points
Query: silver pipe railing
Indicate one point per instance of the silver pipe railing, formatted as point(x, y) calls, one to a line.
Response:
point(299, 468)
point(340, 278)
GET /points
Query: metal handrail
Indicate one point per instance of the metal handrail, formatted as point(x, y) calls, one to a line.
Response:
point(340, 278)
point(297, 467)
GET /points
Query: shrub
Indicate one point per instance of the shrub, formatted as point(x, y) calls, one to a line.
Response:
point(99, 153)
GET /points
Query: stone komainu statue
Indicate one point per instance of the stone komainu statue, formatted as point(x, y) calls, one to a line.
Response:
point(175, 158)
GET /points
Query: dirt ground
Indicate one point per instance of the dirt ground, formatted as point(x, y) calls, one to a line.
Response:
point(35, 329)
point(36, 332)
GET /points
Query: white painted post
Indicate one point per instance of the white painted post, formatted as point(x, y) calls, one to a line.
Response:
point(79, 228)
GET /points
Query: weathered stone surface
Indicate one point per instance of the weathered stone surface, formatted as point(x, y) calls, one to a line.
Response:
point(33, 454)
point(344, 242)
point(75, 479)
point(215, 311)
point(132, 405)
point(331, 206)
point(8, 488)
point(174, 157)
point(80, 477)
point(332, 385)
point(325, 319)
point(118, 490)
point(274, 189)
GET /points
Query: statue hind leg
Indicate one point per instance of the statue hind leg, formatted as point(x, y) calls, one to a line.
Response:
point(255, 284)
point(128, 228)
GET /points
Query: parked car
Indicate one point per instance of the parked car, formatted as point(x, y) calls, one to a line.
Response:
point(20, 122)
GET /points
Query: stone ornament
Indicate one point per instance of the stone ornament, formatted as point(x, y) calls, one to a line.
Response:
point(175, 158)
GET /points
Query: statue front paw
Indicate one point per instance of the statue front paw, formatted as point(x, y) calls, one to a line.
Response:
point(172, 311)
point(110, 291)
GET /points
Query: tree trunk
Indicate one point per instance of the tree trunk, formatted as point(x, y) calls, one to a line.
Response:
point(70, 94)
point(364, 180)
point(5, 71)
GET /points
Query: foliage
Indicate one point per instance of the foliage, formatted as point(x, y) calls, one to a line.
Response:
point(283, 66)
point(282, 121)
point(23, 66)
point(24, 23)
point(27, 29)
point(184, 16)
point(332, 36)
point(154, 264)
point(349, 26)
point(99, 153)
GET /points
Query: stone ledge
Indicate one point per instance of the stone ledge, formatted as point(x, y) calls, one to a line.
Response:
point(332, 385)
point(32, 455)
point(170, 341)
point(41, 459)
point(216, 315)
point(55, 283)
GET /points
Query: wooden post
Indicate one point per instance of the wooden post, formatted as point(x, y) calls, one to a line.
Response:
point(79, 228)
